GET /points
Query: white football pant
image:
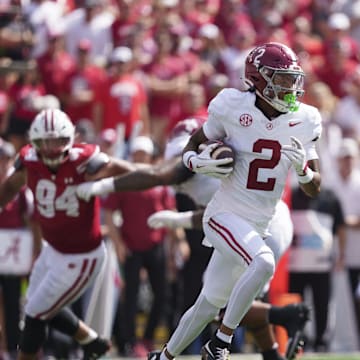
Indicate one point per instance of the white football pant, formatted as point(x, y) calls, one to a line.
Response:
point(59, 279)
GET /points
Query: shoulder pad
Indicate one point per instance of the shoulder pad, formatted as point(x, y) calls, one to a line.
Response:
point(97, 162)
point(223, 98)
point(18, 163)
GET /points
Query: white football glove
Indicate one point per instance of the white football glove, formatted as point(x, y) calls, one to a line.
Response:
point(170, 219)
point(296, 154)
point(94, 188)
point(203, 163)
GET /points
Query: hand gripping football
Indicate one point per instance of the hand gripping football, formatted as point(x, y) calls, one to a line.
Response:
point(221, 151)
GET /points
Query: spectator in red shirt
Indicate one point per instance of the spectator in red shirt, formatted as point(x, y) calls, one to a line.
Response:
point(337, 68)
point(168, 76)
point(232, 14)
point(55, 65)
point(122, 104)
point(24, 104)
point(81, 85)
point(194, 104)
point(338, 30)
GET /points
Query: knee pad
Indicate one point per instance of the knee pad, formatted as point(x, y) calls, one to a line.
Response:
point(65, 321)
point(33, 335)
point(265, 263)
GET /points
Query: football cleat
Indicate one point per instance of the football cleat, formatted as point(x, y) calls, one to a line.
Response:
point(154, 355)
point(212, 352)
point(96, 348)
point(298, 315)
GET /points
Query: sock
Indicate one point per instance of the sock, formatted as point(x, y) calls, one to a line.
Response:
point(91, 337)
point(272, 354)
point(223, 337)
point(276, 315)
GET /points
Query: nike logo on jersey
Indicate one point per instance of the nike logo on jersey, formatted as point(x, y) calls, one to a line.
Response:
point(294, 123)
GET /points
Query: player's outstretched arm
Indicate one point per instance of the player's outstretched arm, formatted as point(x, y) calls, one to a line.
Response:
point(103, 166)
point(11, 186)
point(140, 177)
point(173, 219)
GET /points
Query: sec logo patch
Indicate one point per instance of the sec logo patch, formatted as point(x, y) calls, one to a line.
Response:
point(245, 120)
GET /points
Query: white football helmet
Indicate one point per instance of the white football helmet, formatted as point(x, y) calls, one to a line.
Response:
point(52, 134)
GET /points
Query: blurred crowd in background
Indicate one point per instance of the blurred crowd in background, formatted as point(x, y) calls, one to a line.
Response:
point(127, 71)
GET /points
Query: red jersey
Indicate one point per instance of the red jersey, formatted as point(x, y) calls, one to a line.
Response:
point(123, 99)
point(4, 101)
point(23, 95)
point(13, 214)
point(91, 78)
point(68, 224)
point(54, 70)
point(135, 208)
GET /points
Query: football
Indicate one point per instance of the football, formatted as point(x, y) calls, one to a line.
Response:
point(221, 151)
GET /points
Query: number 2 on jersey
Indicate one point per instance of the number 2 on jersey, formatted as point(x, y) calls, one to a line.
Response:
point(257, 164)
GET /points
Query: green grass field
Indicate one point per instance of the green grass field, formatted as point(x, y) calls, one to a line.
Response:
point(331, 357)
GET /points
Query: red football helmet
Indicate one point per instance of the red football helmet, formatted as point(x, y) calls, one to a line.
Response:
point(180, 135)
point(187, 126)
point(52, 135)
point(274, 72)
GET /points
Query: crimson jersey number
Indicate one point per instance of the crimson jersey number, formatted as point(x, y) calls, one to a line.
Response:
point(257, 164)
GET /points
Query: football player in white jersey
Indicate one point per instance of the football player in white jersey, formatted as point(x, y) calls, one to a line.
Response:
point(200, 189)
point(270, 132)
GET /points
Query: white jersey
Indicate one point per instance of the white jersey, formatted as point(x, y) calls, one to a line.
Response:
point(260, 171)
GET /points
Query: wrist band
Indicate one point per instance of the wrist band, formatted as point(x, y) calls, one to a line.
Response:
point(184, 219)
point(304, 179)
point(107, 185)
point(186, 158)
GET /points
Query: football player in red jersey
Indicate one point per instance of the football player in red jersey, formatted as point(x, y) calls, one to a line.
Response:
point(72, 254)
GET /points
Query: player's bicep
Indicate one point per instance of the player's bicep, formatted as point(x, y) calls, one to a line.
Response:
point(12, 185)
point(172, 172)
point(195, 140)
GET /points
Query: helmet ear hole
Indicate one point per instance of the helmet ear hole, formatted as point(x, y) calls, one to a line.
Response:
point(269, 93)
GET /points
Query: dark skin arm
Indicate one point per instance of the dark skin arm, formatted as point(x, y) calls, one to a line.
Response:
point(112, 168)
point(169, 173)
point(196, 219)
point(195, 140)
point(11, 186)
point(312, 188)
